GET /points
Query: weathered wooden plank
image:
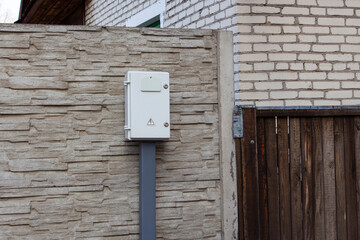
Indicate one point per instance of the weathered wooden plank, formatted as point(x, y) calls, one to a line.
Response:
point(263, 194)
point(308, 178)
point(309, 112)
point(317, 157)
point(357, 159)
point(340, 178)
point(350, 178)
point(273, 178)
point(295, 179)
point(283, 159)
point(239, 189)
point(329, 177)
point(249, 173)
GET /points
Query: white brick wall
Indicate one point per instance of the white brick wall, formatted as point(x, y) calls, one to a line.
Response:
point(112, 12)
point(309, 49)
point(284, 45)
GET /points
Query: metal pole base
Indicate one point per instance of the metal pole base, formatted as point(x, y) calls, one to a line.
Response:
point(147, 190)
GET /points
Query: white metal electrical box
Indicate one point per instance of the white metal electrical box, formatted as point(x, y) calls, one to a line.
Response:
point(147, 106)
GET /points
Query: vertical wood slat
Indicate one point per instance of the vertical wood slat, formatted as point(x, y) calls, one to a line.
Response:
point(318, 178)
point(329, 178)
point(273, 178)
point(307, 184)
point(295, 180)
point(263, 189)
point(250, 175)
point(340, 178)
point(283, 161)
point(350, 178)
point(239, 189)
point(325, 205)
point(357, 159)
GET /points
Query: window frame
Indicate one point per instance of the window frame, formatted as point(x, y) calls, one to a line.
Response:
point(148, 16)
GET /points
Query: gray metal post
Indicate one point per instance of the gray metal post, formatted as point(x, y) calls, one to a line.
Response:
point(147, 191)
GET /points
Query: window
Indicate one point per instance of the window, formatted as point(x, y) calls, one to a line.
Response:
point(151, 16)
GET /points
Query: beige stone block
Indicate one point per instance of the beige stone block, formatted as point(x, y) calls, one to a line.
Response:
point(267, 48)
point(310, 66)
point(250, 38)
point(352, 22)
point(326, 85)
point(280, 20)
point(327, 102)
point(283, 94)
point(269, 103)
point(339, 57)
point(332, 3)
point(253, 57)
point(267, 29)
point(307, 38)
point(325, 66)
point(316, 10)
point(265, 9)
point(350, 84)
point(353, 39)
point(251, 19)
point(339, 94)
point(254, 95)
point(282, 38)
point(298, 103)
point(340, 11)
point(268, 85)
point(325, 48)
point(352, 3)
point(331, 39)
point(343, 30)
point(312, 76)
point(282, 66)
point(350, 48)
point(331, 21)
point(310, 57)
point(307, 20)
point(280, 75)
point(296, 66)
point(341, 75)
point(282, 56)
point(253, 76)
point(296, 47)
point(244, 86)
point(291, 29)
point(278, 2)
point(311, 94)
point(316, 29)
point(350, 102)
point(295, 11)
point(264, 66)
point(299, 85)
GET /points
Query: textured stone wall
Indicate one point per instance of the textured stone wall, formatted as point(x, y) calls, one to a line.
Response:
point(298, 52)
point(65, 169)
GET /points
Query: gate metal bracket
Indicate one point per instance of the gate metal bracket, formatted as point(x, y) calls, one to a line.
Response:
point(237, 125)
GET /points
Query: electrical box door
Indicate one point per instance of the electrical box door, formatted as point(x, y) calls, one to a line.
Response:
point(147, 106)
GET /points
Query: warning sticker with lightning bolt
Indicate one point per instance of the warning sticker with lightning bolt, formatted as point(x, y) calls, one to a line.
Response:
point(150, 122)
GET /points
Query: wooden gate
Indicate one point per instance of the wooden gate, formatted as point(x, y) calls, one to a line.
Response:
point(299, 173)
